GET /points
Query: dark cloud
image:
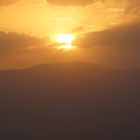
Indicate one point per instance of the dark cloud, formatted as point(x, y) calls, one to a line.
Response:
point(118, 47)
point(14, 42)
point(71, 2)
point(126, 35)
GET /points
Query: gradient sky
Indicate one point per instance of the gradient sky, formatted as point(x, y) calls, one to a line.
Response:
point(107, 32)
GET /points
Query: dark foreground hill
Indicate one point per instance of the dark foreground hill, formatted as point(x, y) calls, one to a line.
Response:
point(69, 101)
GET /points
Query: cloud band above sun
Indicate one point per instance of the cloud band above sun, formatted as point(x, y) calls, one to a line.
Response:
point(7, 2)
point(70, 2)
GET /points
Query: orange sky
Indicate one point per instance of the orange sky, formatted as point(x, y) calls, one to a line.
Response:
point(43, 20)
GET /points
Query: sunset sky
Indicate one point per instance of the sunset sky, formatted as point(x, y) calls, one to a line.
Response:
point(106, 32)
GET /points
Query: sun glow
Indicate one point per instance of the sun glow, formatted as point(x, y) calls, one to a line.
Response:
point(65, 41)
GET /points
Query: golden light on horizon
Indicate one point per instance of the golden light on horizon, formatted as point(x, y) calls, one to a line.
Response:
point(65, 41)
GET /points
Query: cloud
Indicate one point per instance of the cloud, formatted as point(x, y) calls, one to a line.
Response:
point(14, 42)
point(117, 47)
point(125, 35)
point(71, 2)
point(7, 2)
point(133, 7)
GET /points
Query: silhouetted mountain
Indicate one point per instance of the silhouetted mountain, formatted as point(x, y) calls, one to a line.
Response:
point(70, 101)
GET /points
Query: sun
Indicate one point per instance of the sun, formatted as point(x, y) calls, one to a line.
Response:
point(65, 41)
point(64, 38)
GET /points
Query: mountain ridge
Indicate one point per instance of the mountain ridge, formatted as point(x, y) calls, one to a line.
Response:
point(72, 101)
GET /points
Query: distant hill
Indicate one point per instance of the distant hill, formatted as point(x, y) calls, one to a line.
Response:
point(70, 101)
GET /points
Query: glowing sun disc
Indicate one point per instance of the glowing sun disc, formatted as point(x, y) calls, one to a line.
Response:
point(65, 41)
point(64, 38)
